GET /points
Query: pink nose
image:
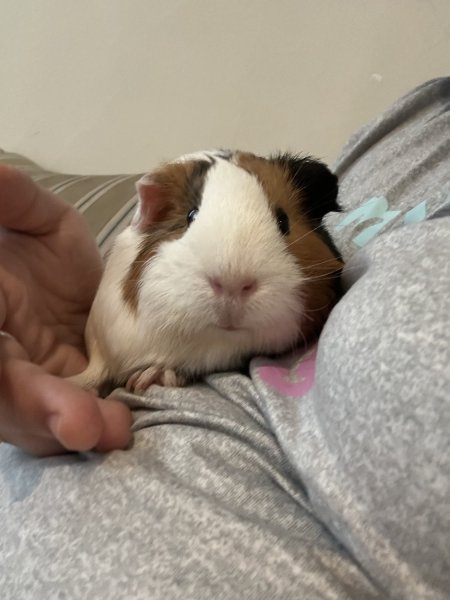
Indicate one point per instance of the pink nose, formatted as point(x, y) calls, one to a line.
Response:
point(240, 288)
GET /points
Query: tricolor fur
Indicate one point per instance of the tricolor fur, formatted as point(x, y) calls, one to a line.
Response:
point(194, 298)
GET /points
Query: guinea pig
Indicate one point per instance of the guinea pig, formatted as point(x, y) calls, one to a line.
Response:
point(225, 258)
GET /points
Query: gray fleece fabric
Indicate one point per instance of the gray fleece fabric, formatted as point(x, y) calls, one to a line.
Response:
point(325, 474)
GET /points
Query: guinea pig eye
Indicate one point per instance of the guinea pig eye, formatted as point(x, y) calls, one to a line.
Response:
point(282, 221)
point(192, 215)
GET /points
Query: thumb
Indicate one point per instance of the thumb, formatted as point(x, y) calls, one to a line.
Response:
point(25, 206)
point(44, 414)
point(37, 405)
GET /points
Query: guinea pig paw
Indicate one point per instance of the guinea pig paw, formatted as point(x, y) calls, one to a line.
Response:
point(142, 379)
point(170, 378)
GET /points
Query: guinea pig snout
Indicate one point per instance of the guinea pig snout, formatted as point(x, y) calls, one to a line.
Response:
point(240, 288)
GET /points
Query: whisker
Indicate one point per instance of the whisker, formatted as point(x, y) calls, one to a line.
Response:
point(304, 235)
point(331, 275)
point(322, 262)
point(302, 335)
point(324, 277)
point(312, 310)
point(307, 316)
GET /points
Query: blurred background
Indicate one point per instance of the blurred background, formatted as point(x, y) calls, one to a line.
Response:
point(119, 85)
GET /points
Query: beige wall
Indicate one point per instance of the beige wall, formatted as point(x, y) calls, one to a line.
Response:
point(108, 85)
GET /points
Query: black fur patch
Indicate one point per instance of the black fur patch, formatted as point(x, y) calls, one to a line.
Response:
point(319, 187)
point(316, 181)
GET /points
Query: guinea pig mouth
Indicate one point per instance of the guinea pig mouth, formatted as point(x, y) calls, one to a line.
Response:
point(228, 324)
point(229, 327)
point(229, 318)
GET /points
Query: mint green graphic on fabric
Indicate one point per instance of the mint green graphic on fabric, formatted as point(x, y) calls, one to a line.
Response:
point(445, 206)
point(416, 214)
point(374, 208)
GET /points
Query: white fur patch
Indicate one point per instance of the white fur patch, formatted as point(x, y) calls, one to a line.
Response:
point(209, 155)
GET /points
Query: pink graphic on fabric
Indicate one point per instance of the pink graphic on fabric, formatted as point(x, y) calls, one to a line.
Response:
point(294, 379)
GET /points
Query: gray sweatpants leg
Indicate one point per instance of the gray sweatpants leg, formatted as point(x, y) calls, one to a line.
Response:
point(371, 441)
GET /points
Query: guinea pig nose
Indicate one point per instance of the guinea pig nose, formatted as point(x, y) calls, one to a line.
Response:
point(238, 288)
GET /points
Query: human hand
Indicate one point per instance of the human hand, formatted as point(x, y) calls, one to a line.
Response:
point(50, 268)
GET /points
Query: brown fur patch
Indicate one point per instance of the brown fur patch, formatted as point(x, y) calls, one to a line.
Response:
point(317, 261)
point(182, 184)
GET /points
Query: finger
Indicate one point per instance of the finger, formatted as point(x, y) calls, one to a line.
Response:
point(25, 206)
point(93, 423)
point(46, 415)
point(9, 349)
point(117, 421)
point(36, 403)
point(116, 433)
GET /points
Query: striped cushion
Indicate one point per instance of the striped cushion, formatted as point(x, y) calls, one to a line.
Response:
point(106, 201)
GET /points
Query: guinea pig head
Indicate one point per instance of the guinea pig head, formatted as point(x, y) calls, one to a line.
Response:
point(232, 259)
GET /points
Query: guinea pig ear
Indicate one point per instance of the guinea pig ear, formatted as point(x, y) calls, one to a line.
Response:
point(152, 205)
point(317, 184)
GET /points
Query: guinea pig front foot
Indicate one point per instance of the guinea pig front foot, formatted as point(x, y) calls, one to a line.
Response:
point(155, 374)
